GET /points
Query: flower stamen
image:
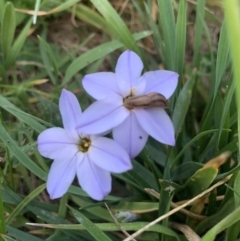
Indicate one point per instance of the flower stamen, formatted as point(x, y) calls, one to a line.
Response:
point(84, 144)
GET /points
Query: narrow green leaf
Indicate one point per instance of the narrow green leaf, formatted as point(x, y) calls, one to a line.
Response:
point(226, 108)
point(182, 104)
point(2, 218)
point(222, 57)
point(2, 4)
point(48, 60)
point(24, 203)
point(21, 156)
point(7, 29)
point(36, 9)
point(180, 43)
point(96, 233)
point(95, 54)
point(64, 6)
point(167, 24)
point(117, 25)
point(113, 227)
point(18, 44)
point(232, 232)
point(236, 187)
point(210, 221)
point(232, 15)
point(222, 225)
point(185, 170)
point(20, 235)
point(26, 118)
point(198, 31)
point(90, 16)
point(204, 133)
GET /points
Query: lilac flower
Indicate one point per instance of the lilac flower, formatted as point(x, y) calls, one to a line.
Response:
point(92, 158)
point(131, 126)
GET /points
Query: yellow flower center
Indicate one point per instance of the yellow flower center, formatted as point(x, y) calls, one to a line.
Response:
point(84, 144)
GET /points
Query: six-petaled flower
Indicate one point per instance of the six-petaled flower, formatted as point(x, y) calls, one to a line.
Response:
point(130, 126)
point(91, 158)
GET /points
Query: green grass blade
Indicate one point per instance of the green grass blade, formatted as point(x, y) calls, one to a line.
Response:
point(48, 60)
point(20, 235)
point(196, 138)
point(222, 58)
point(21, 156)
point(226, 108)
point(182, 104)
point(2, 4)
point(167, 24)
point(97, 234)
point(198, 31)
point(222, 225)
point(64, 6)
point(95, 54)
point(2, 218)
point(36, 9)
point(117, 25)
point(180, 43)
point(111, 227)
point(24, 203)
point(18, 43)
point(236, 189)
point(232, 15)
point(90, 16)
point(8, 29)
point(26, 118)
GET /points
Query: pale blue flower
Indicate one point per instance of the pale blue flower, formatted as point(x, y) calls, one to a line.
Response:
point(130, 127)
point(91, 158)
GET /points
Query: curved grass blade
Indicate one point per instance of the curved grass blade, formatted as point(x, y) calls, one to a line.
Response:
point(198, 31)
point(21, 156)
point(27, 118)
point(168, 30)
point(88, 15)
point(48, 60)
point(116, 24)
point(2, 218)
point(24, 203)
point(222, 58)
point(182, 104)
point(20, 235)
point(180, 43)
point(18, 44)
point(97, 233)
point(7, 29)
point(228, 221)
point(95, 54)
point(113, 227)
point(232, 15)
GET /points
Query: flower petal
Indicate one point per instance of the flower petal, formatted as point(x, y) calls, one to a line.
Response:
point(54, 142)
point(61, 175)
point(161, 81)
point(70, 111)
point(102, 116)
point(130, 135)
point(129, 67)
point(157, 124)
point(95, 181)
point(109, 155)
point(101, 85)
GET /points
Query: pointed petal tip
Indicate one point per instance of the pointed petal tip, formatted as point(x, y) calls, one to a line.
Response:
point(54, 194)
